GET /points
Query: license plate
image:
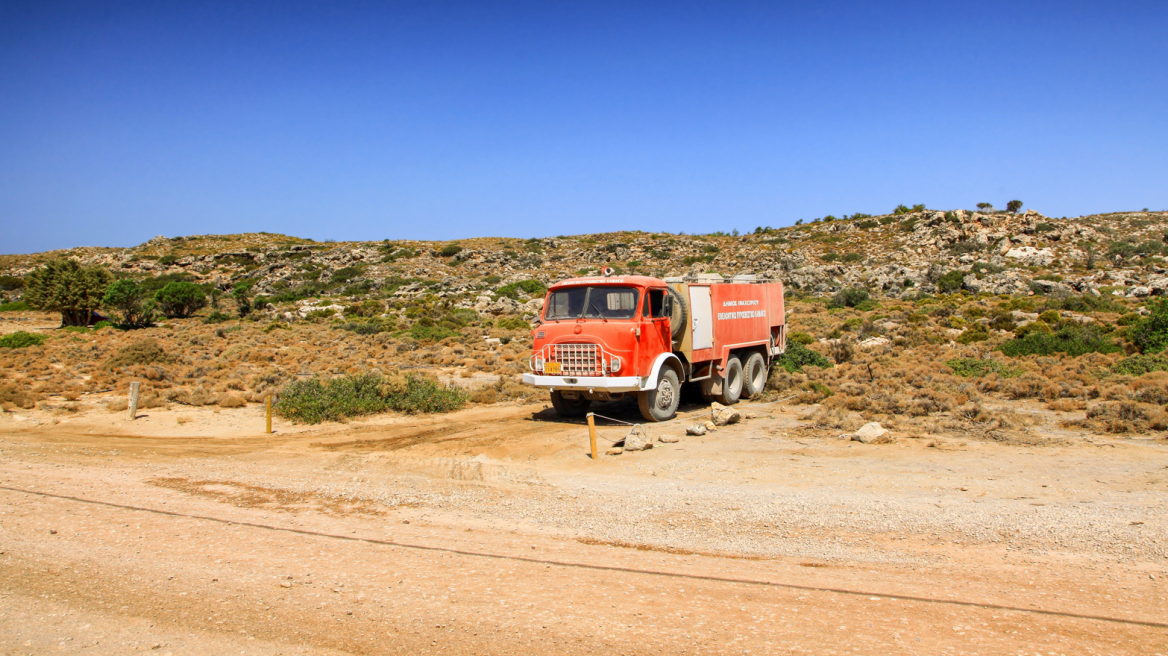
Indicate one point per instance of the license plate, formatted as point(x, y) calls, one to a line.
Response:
point(552, 368)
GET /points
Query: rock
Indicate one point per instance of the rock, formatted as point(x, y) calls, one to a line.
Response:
point(724, 415)
point(1031, 255)
point(614, 451)
point(870, 432)
point(638, 440)
point(670, 439)
point(873, 342)
point(696, 429)
point(710, 426)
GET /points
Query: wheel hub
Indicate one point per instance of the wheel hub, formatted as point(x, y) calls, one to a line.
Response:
point(665, 394)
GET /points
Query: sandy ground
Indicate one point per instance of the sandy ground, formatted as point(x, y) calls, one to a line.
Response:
point(490, 531)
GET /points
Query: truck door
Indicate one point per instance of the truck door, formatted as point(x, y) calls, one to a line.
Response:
point(702, 318)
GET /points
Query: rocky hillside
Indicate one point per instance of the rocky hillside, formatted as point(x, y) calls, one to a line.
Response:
point(892, 255)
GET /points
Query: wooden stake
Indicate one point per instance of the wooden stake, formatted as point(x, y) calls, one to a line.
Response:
point(134, 400)
point(592, 433)
point(268, 411)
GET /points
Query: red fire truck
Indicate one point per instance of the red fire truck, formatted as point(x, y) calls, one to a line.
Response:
point(604, 337)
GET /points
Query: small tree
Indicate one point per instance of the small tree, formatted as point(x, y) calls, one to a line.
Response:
point(239, 293)
point(180, 299)
point(67, 287)
point(1151, 333)
point(1013, 206)
point(128, 299)
point(985, 207)
point(951, 282)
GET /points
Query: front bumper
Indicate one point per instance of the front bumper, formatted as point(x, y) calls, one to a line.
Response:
point(585, 383)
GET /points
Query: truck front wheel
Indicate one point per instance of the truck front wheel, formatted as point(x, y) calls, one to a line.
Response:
point(577, 407)
point(732, 383)
point(660, 404)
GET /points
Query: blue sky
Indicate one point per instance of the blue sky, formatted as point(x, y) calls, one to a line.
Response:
point(431, 120)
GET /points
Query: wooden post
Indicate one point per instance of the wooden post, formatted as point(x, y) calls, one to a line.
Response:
point(592, 434)
point(134, 399)
point(268, 411)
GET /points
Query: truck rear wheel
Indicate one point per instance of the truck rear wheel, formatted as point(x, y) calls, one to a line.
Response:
point(731, 383)
point(577, 407)
point(754, 375)
point(660, 404)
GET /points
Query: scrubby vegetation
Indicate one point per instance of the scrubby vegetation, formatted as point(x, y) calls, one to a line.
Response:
point(21, 339)
point(316, 400)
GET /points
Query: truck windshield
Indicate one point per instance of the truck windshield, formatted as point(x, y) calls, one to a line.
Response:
point(600, 302)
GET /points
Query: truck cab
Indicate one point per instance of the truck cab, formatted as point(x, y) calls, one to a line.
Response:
point(600, 338)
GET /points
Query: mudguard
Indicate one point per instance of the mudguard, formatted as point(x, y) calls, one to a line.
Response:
point(651, 380)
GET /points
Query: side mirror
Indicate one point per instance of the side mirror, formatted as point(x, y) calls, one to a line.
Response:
point(667, 306)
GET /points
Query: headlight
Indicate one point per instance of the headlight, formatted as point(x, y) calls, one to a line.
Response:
point(614, 364)
point(537, 363)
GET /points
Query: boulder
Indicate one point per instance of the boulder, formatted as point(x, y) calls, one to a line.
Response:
point(638, 440)
point(870, 432)
point(1031, 255)
point(696, 429)
point(724, 415)
point(669, 439)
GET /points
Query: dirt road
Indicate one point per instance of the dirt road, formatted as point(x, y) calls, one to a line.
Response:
point(490, 532)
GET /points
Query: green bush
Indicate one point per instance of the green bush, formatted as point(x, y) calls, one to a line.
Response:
point(830, 257)
point(178, 300)
point(1150, 334)
point(346, 274)
point(21, 339)
point(513, 323)
point(434, 333)
point(313, 401)
point(798, 356)
point(974, 333)
point(168, 260)
point(1138, 365)
point(531, 287)
point(853, 257)
point(217, 317)
point(11, 283)
point(1072, 339)
point(951, 282)
point(450, 251)
point(65, 286)
point(126, 298)
point(17, 306)
point(850, 297)
point(799, 337)
point(867, 225)
point(978, 367)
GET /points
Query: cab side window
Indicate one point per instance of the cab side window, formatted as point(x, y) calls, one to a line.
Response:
point(655, 304)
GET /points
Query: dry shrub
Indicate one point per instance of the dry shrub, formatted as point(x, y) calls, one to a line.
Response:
point(1027, 386)
point(143, 351)
point(12, 395)
point(1066, 405)
point(117, 405)
point(150, 401)
point(230, 401)
point(832, 414)
point(197, 396)
point(484, 395)
point(1151, 388)
point(1124, 417)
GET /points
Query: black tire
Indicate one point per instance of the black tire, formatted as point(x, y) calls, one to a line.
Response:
point(660, 404)
point(731, 383)
point(570, 408)
point(679, 320)
point(754, 375)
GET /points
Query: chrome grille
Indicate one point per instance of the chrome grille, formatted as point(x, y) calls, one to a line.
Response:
point(578, 359)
